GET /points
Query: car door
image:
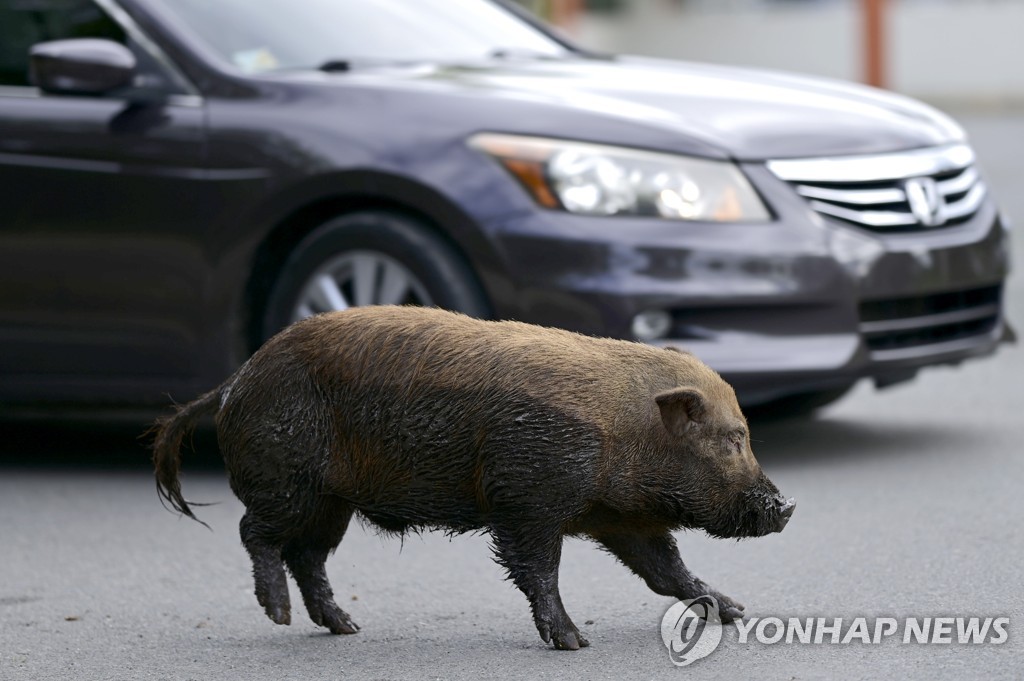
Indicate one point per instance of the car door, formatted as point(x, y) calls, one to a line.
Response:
point(102, 266)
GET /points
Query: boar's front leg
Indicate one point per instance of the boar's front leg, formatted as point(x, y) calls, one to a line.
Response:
point(655, 559)
point(531, 553)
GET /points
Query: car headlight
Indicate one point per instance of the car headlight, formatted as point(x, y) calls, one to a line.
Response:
point(595, 179)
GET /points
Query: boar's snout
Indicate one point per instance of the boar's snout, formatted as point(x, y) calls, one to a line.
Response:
point(786, 508)
point(760, 510)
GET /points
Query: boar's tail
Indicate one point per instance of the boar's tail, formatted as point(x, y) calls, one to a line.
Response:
point(170, 431)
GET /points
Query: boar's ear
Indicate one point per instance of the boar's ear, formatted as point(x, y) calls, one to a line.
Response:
point(679, 408)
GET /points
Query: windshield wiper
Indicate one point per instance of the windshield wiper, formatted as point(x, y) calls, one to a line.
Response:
point(344, 65)
point(519, 53)
point(335, 66)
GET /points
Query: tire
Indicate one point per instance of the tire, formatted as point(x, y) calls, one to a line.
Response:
point(372, 257)
point(796, 406)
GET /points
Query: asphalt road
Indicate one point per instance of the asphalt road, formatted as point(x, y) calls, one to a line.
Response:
point(910, 505)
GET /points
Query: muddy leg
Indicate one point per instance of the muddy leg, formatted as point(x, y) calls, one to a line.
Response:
point(306, 557)
point(531, 556)
point(267, 571)
point(655, 559)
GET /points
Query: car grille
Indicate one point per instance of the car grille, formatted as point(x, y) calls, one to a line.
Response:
point(900, 328)
point(908, 191)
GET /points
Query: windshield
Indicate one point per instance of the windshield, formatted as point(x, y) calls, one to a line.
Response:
point(265, 35)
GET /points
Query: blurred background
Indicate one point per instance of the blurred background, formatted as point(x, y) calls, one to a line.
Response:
point(953, 53)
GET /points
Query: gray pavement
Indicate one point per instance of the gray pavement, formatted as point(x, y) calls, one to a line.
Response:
point(910, 504)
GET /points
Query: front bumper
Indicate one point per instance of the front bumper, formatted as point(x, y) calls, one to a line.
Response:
point(802, 304)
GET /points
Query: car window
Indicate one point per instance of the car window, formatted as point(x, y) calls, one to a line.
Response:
point(24, 23)
point(264, 35)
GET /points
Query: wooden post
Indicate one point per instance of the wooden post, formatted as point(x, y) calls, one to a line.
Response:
point(874, 18)
point(564, 13)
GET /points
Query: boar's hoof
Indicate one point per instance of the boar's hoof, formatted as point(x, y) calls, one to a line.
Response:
point(338, 621)
point(730, 614)
point(728, 609)
point(568, 638)
point(278, 614)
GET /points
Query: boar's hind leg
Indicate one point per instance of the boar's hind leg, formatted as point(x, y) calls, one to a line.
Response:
point(306, 557)
point(655, 559)
point(267, 569)
point(531, 555)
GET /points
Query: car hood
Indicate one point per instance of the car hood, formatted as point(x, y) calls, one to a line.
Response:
point(748, 114)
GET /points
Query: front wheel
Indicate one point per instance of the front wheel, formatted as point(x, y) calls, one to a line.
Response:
point(371, 258)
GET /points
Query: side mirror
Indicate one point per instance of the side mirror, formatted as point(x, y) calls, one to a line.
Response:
point(81, 66)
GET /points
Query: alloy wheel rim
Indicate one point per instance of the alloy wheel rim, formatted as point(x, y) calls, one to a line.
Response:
point(356, 279)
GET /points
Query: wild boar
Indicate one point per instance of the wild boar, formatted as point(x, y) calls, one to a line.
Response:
point(418, 418)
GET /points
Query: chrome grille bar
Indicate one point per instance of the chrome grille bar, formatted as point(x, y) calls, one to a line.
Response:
point(895, 166)
point(871, 218)
point(858, 196)
point(961, 183)
point(871, 191)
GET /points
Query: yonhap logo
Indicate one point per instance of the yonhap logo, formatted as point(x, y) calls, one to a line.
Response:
point(691, 630)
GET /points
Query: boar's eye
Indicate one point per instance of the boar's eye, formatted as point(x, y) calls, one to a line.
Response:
point(736, 440)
